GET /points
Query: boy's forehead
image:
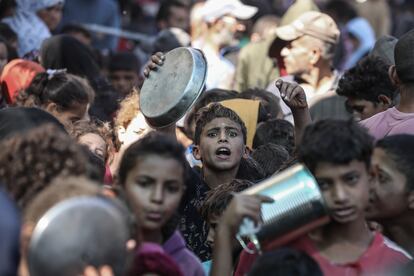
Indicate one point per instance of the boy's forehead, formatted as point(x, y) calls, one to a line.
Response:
point(222, 122)
point(331, 170)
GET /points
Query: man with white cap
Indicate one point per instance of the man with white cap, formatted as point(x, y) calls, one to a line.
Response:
point(220, 17)
point(307, 48)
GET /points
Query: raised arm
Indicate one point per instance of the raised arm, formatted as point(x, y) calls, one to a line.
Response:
point(294, 96)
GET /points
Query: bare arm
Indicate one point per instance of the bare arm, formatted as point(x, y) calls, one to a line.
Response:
point(240, 207)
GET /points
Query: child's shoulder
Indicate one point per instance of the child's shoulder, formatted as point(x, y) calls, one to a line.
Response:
point(390, 249)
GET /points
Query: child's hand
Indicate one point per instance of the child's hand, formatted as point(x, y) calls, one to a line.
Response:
point(103, 271)
point(292, 94)
point(242, 206)
point(156, 60)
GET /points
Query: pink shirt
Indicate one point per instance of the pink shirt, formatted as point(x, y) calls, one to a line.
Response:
point(389, 122)
point(380, 258)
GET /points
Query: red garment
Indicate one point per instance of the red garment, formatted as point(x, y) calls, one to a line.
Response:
point(380, 257)
point(17, 75)
point(108, 179)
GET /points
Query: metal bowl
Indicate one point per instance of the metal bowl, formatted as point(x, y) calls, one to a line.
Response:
point(79, 232)
point(169, 92)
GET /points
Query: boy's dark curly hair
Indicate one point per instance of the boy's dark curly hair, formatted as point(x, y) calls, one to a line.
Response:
point(368, 80)
point(337, 142)
point(30, 162)
point(215, 110)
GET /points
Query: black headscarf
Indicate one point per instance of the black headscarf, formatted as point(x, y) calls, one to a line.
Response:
point(66, 52)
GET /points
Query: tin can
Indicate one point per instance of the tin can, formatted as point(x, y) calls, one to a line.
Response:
point(298, 208)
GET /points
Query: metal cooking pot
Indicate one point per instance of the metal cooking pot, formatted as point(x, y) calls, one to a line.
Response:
point(169, 92)
point(298, 208)
point(78, 232)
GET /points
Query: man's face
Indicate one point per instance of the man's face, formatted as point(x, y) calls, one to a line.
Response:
point(179, 18)
point(225, 29)
point(345, 189)
point(389, 196)
point(297, 56)
point(124, 80)
point(362, 109)
point(221, 145)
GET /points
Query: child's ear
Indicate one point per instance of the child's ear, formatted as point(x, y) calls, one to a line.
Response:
point(392, 73)
point(196, 153)
point(384, 100)
point(411, 200)
point(51, 108)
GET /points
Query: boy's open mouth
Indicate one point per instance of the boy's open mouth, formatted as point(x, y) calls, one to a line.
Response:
point(223, 152)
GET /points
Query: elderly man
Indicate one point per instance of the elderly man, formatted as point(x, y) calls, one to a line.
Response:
point(306, 47)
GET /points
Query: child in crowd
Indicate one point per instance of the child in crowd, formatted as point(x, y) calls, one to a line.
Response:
point(214, 205)
point(96, 136)
point(29, 162)
point(65, 96)
point(220, 143)
point(398, 119)
point(153, 173)
point(393, 197)
point(124, 73)
point(367, 87)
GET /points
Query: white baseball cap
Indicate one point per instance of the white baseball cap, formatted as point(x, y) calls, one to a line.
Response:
point(214, 9)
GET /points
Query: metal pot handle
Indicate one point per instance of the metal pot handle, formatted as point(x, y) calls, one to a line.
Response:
point(248, 229)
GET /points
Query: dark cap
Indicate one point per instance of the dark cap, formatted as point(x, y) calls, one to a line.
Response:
point(404, 57)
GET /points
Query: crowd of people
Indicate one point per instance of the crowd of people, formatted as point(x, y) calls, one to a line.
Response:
point(328, 84)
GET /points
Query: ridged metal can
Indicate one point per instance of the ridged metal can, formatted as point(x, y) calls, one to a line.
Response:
point(298, 208)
